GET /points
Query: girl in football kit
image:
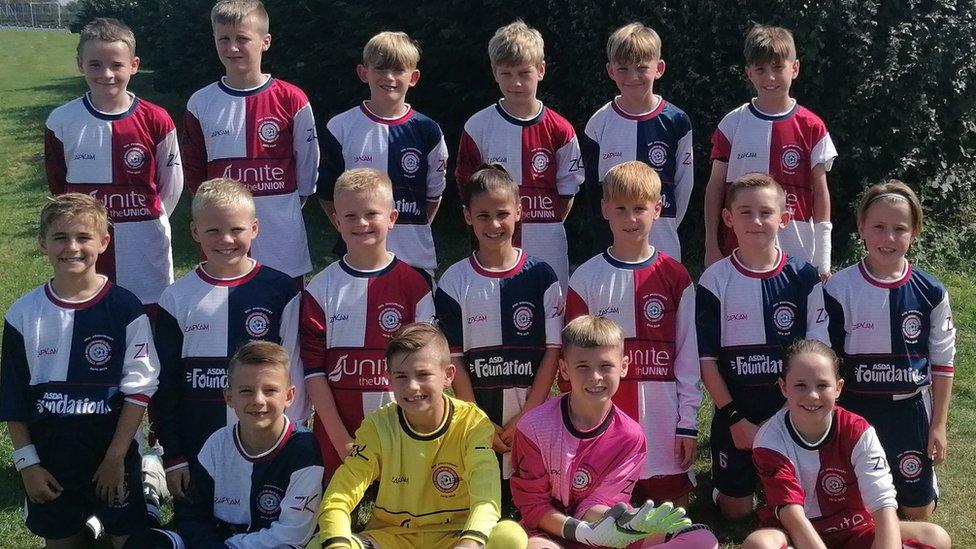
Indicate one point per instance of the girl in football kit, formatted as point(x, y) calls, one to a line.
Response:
point(826, 480)
point(891, 323)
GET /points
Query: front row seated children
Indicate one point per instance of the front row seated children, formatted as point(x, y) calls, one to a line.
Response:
point(207, 314)
point(350, 311)
point(576, 457)
point(652, 298)
point(501, 310)
point(431, 455)
point(77, 370)
point(751, 306)
point(255, 484)
point(892, 323)
point(825, 475)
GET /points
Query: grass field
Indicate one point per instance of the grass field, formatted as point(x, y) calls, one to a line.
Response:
point(40, 74)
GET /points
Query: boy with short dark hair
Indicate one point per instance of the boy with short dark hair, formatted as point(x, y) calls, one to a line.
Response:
point(639, 125)
point(775, 135)
point(750, 307)
point(206, 315)
point(536, 146)
point(257, 483)
point(257, 130)
point(386, 134)
point(77, 369)
point(651, 296)
point(122, 150)
point(577, 457)
point(350, 311)
point(431, 455)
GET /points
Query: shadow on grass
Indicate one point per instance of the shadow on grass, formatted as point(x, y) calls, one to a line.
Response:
point(12, 491)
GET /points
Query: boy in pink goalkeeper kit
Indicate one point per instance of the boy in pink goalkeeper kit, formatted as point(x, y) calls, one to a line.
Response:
point(576, 458)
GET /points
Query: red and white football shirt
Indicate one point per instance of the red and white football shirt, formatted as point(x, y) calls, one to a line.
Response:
point(265, 138)
point(131, 162)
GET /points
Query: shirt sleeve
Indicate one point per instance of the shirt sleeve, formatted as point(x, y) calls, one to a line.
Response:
point(593, 188)
point(165, 405)
point(823, 152)
point(778, 476)
point(15, 393)
point(437, 169)
point(817, 321)
point(169, 170)
point(942, 338)
point(555, 310)
point(305, 147)
point(333, 162)
point(721, 146)
point(569, 168)
point(140, 370)
point(687, 370)
point(481, 475)
point(836, 323)
point(575, 304)
point(468, 160)
point(708, 321)
point(449, 318)
point(530, 483)
point(194, 152)
point(873, 474)
point(425, 311)
point(300, 409)
point(195, 518)
point(55, 165)
point(312, 336)
point(296, 522)
point(347, 486)
point(684, 172)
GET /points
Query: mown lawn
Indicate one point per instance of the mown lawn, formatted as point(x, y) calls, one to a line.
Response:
point(39, 73)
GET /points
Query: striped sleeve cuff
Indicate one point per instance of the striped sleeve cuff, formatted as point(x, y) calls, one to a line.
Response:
point(138, 399)
point(314, 373)
point(689, 433)
point(473, 535)
point(944, 370)
point(175, 463)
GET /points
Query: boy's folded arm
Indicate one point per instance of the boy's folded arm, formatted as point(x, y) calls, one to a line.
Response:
point(481, 474)
point(347, 487)
point(296, 523)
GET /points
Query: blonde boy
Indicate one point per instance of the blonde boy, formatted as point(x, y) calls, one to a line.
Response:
point(431, 455)
point(228, 300)
point(351, 309)
point(652, 297)
point(385, 133)
point(257, 130)
point(751, 306)
point(639, 125)
point(122, 150)
point(77, 370)
point(775, 135)
point(535, 145)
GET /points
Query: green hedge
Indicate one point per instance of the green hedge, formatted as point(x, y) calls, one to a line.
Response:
point(894, 81)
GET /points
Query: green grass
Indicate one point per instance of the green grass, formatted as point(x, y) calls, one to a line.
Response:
point(39, 74)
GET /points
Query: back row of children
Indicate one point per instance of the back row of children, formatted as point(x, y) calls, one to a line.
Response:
point(501, 309)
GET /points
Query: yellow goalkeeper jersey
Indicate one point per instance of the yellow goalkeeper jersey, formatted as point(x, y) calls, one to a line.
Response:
point(446, 480)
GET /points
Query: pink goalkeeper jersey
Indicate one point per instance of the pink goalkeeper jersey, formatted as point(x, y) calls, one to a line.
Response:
point(542, 155)
point(654, 303)
point(556, 466)
point(131, 162)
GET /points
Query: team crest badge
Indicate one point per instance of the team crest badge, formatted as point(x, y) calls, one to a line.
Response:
point(445, 479)
point(98, 350)
point(657, 154)
point(910, 465)
point(257, 323)
point(833, 484)
point(134, 156)
point(391, 318)
point(410, 161)
point(522, 317)
point(911, 326)
point(541, 159)
point(269, 130)
point(653, 308)
point(784, 315)
point(582, 479)
point(792, 155)
point(269, 500)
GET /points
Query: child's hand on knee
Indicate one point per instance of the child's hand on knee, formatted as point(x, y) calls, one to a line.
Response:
point(110, 480)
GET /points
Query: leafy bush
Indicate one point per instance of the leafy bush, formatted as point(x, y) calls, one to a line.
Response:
point(893, 80)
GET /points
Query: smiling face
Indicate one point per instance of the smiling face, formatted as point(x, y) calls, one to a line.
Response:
point(259, 394)
point(772, 79)
point(364, 218)
point(756, 215)
point(630, 220)
point(388, 86)
point(593, 372)
point(492, 216)
point(418, 380)
point(225, 235)
point(107, 67)
point(811, 387)
point(887, 229)
point(635, 80)
point(240, 46)
point(73, 244)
